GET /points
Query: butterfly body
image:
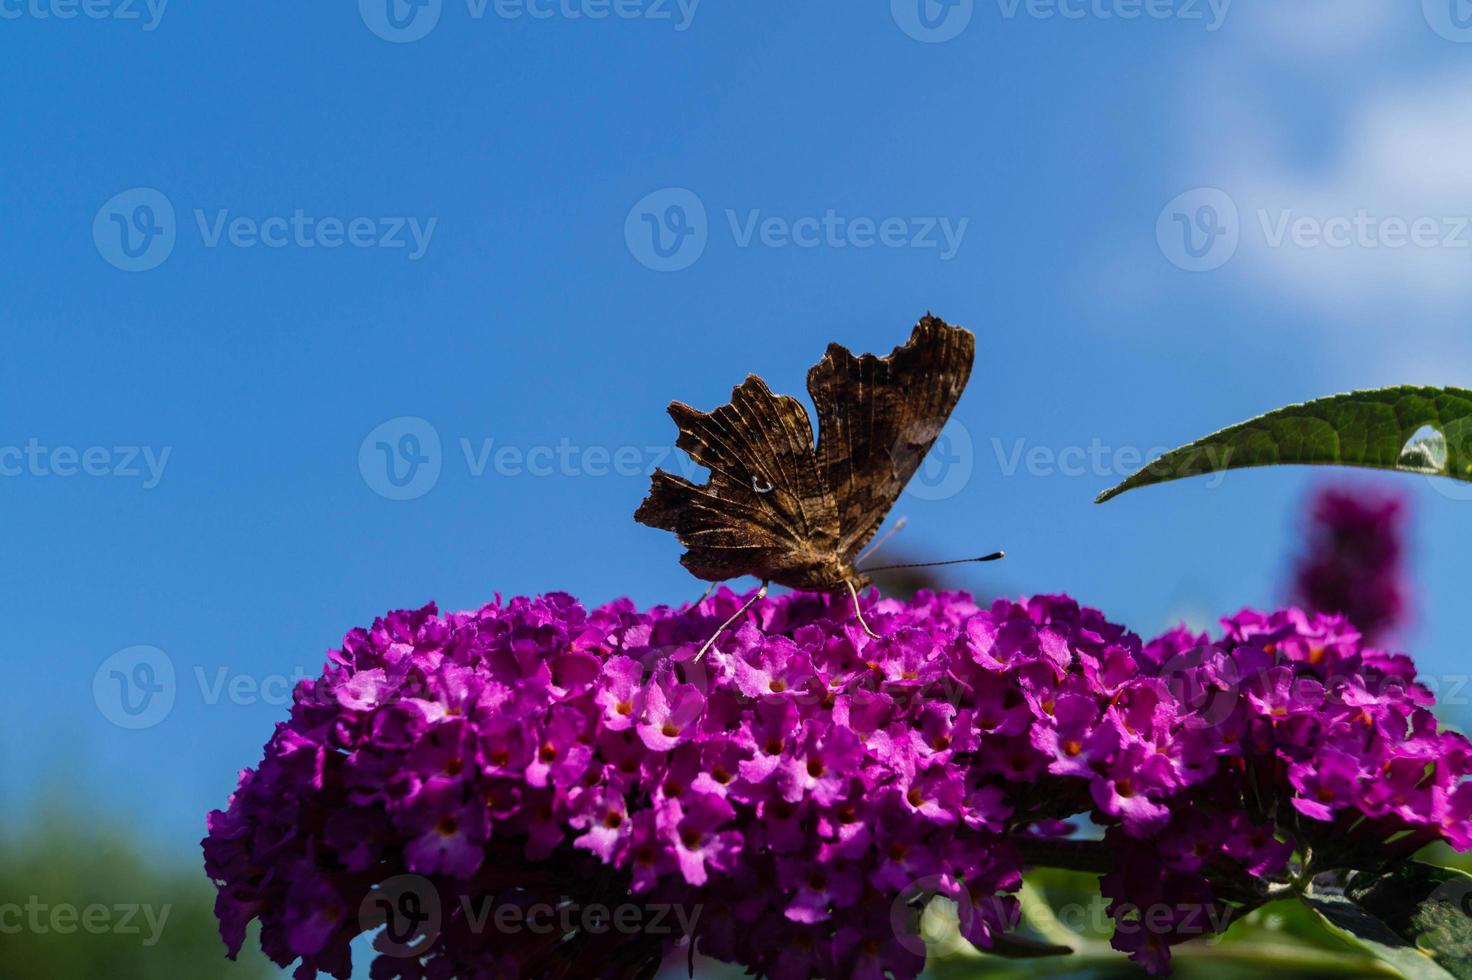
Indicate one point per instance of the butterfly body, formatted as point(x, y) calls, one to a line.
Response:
point(783, 510)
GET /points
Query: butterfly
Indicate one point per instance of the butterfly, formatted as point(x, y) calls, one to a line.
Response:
point(778, 508)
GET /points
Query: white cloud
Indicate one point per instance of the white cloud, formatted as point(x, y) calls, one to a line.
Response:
point(1327, 113)
point(1383, 222)
point(1342, 131)
point(1299, 28)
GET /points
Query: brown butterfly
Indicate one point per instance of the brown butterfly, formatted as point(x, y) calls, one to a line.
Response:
point(776, 508)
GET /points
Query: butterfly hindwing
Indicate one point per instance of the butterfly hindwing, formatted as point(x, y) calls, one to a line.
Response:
point(765, 510)
point(879, 416)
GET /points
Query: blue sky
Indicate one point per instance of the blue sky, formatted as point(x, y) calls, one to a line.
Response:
point(332, 228)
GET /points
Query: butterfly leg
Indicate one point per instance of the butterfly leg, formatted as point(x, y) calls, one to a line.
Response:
point(859, 612)
point(761, 593)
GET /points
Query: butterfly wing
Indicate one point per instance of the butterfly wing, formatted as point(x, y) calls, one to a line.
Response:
point(765, 510)
point(879, 416)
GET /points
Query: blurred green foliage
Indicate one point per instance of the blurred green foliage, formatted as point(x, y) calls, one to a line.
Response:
point(79, 902)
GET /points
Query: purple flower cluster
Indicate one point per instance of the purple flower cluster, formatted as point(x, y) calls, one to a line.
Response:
point(1354, 560)
point(1293, 749)
point(801, 791)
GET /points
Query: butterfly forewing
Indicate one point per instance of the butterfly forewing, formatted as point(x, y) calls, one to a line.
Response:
point(765, 511)
point(879, 416)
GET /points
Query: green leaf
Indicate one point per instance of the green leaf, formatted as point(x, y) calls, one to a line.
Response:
point(1358, 927)
point(1377, 429)
point(1415, 918)
point(1015, 947)
point(1428, 905)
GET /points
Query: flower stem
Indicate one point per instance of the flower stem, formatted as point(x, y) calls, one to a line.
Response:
point(1089, 856)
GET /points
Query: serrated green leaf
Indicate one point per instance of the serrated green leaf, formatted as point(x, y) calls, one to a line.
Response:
point(1378, 429)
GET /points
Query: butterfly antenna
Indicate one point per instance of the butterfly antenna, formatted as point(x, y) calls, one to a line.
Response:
point(858, 611)
point(761, 593)
point(868, 552)
point(994, 556)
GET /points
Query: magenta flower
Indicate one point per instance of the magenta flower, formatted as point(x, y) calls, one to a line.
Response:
point(1330, 782)
point(1075, 739)
point(697, 837)
point(1131, 787)
point(801, 791)
point(621, 693)
point(445, 836)
point(670, 713)
point(1354, 564)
